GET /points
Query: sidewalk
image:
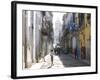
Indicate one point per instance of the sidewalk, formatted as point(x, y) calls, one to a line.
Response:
point(47, 64)
point(41, 63)
point(57, 63)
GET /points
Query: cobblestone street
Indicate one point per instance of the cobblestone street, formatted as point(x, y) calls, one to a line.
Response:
point(60, 61)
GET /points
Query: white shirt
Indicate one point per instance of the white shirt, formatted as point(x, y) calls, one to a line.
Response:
point(74, 42)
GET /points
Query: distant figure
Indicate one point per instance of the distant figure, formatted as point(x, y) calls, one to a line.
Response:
point(51, 54)
point(59, 50)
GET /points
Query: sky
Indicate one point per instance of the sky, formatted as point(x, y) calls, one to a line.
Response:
point(57, 17)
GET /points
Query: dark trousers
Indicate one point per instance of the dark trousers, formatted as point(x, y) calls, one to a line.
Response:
point(51, 59)
point(75, 52)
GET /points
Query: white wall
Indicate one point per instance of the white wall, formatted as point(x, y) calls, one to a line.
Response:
point(38, 25)
point(5, 40)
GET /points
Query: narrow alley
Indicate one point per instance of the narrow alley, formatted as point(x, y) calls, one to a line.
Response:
point(66, 33)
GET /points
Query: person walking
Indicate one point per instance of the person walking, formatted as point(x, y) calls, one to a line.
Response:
point(52, 56)
point(74, 46)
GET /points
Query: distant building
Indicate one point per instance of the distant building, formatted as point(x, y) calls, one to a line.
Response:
point(58, 29)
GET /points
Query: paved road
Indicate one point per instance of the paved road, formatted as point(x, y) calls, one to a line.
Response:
point(62, 61)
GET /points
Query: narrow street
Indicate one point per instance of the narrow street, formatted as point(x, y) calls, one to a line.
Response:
point(60, 61)
point(66, 33)
point(64, 60)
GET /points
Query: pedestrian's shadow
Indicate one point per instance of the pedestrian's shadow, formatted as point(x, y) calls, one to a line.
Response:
point(49, 67)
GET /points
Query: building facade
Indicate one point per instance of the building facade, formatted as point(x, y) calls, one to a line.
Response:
point(85, 36)
point(66, 41)
point(77, 25)
point(47, 33)
point(37, 35)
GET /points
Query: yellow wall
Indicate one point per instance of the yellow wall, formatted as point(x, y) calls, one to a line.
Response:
point(86, 32)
